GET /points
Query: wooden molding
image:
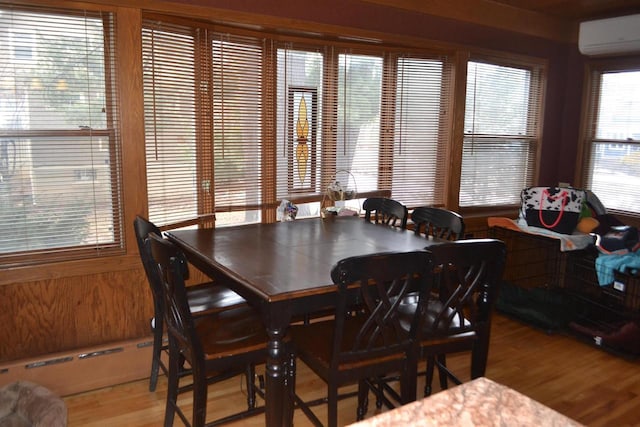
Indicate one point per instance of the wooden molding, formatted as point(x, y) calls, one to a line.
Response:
point(495, 15)
point(60, 270)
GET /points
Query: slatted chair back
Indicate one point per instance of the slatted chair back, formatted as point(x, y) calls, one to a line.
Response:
point(466, 280)
point(170, 271)
point(143, 228)
point(438, 222)
point(380, 282)
point(367, 337)
point(382, 210)
point(468, 274)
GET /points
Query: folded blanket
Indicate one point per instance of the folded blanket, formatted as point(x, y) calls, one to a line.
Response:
point(568, 242)
point(607, 264)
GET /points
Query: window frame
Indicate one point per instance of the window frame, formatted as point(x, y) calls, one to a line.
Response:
point(594, 69)
point(535, 121)
point(111, 131)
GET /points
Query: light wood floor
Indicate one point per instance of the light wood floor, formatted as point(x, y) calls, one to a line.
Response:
point(582, 382)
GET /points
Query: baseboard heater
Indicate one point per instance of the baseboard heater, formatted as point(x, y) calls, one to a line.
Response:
point(85, 369)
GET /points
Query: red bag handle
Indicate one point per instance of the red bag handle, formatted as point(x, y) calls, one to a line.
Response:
point(562, 194)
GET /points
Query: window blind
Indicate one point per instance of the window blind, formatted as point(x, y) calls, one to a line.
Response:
point(421, 130)
point(613, 141)
point(59, 144)
point(203, 125)
point(171, 121)
point(238, 115)
point(501, 133)
point(266, 120)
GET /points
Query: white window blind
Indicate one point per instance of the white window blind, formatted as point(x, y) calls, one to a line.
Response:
point(501, 133)
point(59, 145)
point(421, 130)
point(613, 142)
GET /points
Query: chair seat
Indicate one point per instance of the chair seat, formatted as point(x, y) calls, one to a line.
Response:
point(231, 331)
point(311, 341)
point(207, 298)
point(448, 323)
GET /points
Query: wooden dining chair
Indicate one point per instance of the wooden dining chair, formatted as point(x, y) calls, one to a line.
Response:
point(202, 298)
point(354, 348)
point(382, 210)
point(464, 281)
point(466, 277)
point(433, 223)
point(216, 346)
point(438, 223)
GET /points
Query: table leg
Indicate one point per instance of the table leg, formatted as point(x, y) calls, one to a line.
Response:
point(278, 406)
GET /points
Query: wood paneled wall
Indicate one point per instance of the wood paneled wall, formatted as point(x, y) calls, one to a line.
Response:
point(54, 315)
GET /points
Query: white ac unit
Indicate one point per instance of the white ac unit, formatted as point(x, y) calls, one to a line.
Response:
point(612, 36)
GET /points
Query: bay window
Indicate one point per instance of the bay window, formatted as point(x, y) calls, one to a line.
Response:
point(235, 123)
point(359, 148)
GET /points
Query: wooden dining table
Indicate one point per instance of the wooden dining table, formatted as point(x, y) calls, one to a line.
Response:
point(283, 269)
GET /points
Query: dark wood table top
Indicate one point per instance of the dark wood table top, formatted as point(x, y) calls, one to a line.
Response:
point(292, 259)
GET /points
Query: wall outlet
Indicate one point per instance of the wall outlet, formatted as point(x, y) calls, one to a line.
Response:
point(564, 184)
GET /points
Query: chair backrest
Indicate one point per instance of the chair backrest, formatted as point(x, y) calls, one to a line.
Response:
point(438, 222)
point(376, 285)
point(385, 211)
point(143, 227)
point(467, 276)
point(169, 270)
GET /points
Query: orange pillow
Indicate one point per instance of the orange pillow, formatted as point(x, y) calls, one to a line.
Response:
point(587, 224)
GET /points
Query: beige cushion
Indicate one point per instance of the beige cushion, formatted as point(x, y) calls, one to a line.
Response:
point(24, 403)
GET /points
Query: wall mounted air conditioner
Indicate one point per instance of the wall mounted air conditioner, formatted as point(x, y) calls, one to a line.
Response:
point(612, 36)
